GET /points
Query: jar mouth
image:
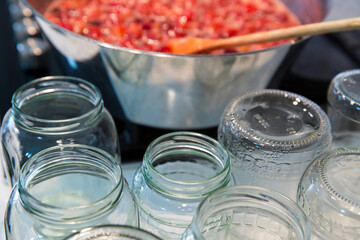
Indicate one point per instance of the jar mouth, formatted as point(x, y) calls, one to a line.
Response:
point(338, 173)
point(275, 119)
point(69, 182)
point(56, 104)
point(343, 94)
point(114, 232)
point(172, 165)
point(232, 205)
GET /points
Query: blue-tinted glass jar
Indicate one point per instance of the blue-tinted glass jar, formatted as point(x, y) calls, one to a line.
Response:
point(248, 212)
point(178, 171)
point(343, 109)
point(329, 195)
point(64, 189)
point(52, 111)
point(272, 136)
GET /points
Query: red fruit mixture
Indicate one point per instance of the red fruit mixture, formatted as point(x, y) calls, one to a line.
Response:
point(149, 24)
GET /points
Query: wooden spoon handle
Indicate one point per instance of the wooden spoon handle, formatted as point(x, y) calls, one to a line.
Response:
point(285, 33)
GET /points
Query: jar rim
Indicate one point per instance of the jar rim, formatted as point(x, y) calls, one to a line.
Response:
point(256, 194)
point(331, 181)
point(334, 193)
point(32, 168)
point(167, 185)
point(116, 231)
point(280, 143)
point(33, 123)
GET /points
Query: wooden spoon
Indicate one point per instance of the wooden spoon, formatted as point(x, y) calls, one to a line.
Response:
point(200, 45)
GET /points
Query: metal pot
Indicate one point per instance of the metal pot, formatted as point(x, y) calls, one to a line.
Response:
point(166, 90)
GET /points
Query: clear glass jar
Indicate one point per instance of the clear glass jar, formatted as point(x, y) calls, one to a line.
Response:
point(52, 111)
point(178, 171)
point(343, 109)
point(113, 232)
point(272, 136)
point(64, 189)
point(248, 212)
point(329, 195)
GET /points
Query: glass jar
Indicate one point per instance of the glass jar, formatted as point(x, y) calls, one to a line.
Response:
point(113, 232)
point(64, 189)
point(343, 109)
point(272, 136)
point(178, 171)
point(248, 212)
point(329, 195)
point(53, 111)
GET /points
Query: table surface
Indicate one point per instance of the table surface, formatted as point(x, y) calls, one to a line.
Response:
point(343, 9)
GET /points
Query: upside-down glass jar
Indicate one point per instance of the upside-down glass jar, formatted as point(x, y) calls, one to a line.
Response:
point(178, 171)
point(64, 189)
point(53, 111)
point(329, 194)
point(343, 109)
point(248, 212)
point(272, 136)
point(113, 232)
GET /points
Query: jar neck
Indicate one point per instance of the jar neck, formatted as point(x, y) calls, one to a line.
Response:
point(70, 184)
point(57, 105)
point(186, 165)
point(231, 205)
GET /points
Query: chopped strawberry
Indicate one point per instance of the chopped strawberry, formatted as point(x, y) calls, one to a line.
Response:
point(149, 24)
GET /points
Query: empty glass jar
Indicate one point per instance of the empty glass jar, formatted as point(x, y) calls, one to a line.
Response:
point(343, 109)
point(329, 194)
point(113, 232)
point(64, 189)
point(178, 171)
point(248, 212)
point(272, 136)
point(52, 111)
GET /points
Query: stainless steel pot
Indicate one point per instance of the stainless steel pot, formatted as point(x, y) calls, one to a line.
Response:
point(166, 90)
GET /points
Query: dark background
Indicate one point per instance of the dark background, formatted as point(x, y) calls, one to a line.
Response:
point(11, 74)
